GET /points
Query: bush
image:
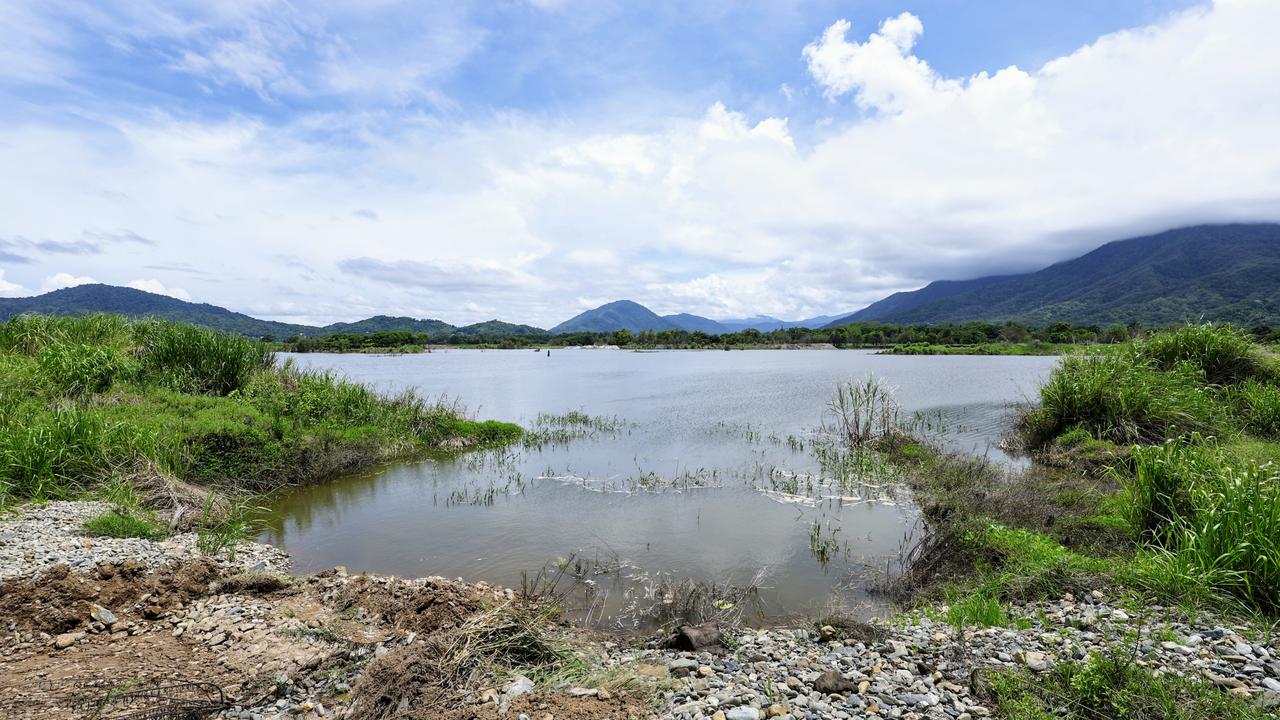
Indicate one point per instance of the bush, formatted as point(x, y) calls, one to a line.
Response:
point(1116, 396)
point(1257, 407)
point(1225, 355)
point(192, 359)
point(78, 369)
point(1213, 524)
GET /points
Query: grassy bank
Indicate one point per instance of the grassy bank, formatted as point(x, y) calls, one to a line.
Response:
point(1154, 479)
point(156, 413)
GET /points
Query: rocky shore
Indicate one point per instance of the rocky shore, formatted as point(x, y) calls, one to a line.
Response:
point(83, 619)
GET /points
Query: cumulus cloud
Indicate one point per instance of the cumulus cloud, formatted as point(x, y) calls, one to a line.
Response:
point(919, 175)
point(159, 288)
point(11, 289)
point(61, 280)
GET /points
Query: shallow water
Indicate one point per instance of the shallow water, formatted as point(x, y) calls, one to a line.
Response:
point(694, 482)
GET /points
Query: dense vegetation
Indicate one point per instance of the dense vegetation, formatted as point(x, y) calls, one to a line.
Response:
point(92, 402)
point(1224, 273)
point(1158, 481)
point(977, 337)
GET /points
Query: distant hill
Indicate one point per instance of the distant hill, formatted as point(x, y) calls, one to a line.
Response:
point(765, 323)
point(497, 328)
point(617, 315)
point(696, 323)
point(85, 299)
point(1224, 273)
point(386, 323)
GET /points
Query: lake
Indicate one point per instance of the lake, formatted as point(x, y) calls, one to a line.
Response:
point(699, 466)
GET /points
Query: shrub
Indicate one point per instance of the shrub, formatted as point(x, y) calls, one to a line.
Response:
point(1116, 396)
point(193, 359)
point(78, 369)
point(1225, 355)
point(1214, 524)
point(1257, 407)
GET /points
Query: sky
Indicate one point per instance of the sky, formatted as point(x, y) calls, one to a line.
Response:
point(529, 159)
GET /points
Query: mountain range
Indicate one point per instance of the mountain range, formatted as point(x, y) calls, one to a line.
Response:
point(1225, 273)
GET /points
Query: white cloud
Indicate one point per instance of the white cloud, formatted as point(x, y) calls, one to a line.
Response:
point(919, 176)
point(61, 280)
point(159, 288)
point(10, 289)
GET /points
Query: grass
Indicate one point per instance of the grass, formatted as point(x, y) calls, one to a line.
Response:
point(83, 398)
point(1211, 524)
point(115, 524)
point(1025, 348)
point(1112, 686)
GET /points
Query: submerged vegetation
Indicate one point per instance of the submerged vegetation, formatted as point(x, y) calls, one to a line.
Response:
point(137, 411)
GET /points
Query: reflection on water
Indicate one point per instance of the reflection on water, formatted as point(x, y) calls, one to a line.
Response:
point(709, 472)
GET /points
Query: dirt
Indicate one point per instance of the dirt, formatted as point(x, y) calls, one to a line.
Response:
point(398, 649)
point(59, 601)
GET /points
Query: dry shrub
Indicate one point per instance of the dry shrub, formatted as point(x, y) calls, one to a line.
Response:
point(439, 672)
point(185, 506)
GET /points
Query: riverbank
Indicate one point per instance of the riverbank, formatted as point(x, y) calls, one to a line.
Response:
point(89, 620)
point(1013, 348)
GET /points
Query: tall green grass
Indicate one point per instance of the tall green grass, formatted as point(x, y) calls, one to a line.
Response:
point(1212, 523)
point(1202, 378)
point(83, 398)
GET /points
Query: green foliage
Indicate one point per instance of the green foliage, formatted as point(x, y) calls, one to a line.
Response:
point(1113, 687)
point(221, 530)
point(116, 524)
point(968, 609)
point(77, 369)
point(1213, 524)
point(1257, 407)
point(1117, 396)
point(127, 517)
point(1024, 565)
point(83, 396)
point(192, 359)
point(1223, 354)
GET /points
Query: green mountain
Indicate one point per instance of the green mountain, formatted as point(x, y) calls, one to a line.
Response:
point(696, 323)
point(497, 328)
point(1224, 273)
point(617, 315)
point(85, 299)
point(387, 323)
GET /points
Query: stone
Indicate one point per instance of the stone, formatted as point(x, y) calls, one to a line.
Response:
point(693, 638)
point(742, 712)
point(777, 710)
point(833, 683)
point(583, 692)
point(66, 640)
point(102, 615)
point(682, 667)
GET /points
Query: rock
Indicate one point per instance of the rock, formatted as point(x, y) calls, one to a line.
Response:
point(682, 668)
point(718, 715)
point(603, 694)
point(521, 685)
point(742, 712)
point(1119, 615)
point(582, 692)
point(102, 615)
point(777, 710)
point(66, 640)
point(833, 683)
point(693, 638)
point(1035, 661)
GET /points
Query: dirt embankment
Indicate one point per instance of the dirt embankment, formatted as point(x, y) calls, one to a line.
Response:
point(199, 635)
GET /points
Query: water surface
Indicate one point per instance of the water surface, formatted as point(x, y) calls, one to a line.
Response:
point(697, 480)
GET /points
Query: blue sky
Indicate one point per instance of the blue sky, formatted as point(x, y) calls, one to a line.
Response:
point(528, 159)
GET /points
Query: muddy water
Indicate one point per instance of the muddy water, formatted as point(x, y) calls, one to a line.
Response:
point(698, 479)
